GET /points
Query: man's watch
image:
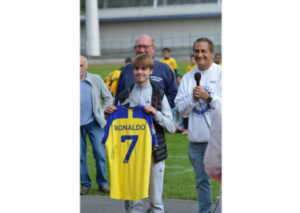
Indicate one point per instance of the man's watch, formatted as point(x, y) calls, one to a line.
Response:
point(209, 99)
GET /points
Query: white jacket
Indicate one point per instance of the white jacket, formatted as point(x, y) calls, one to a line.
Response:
point(211, 81)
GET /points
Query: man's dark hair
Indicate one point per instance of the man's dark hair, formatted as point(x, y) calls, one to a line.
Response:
point(192, 55)
point(218, 54)
point(128, 60)
point(166, 49)
point(211, 45)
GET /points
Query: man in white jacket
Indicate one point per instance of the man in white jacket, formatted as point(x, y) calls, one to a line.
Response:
point(198, 102)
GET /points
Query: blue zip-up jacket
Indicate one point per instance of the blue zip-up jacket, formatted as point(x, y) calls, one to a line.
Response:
point(162, 76)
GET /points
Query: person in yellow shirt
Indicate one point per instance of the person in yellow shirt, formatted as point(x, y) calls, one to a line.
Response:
point(218, 59)
point(193, 64)
point(170, 61)
point(111, 81)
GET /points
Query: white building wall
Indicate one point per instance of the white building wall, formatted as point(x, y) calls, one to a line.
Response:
point(129, 31)
point(156, 28)
point(120, 27)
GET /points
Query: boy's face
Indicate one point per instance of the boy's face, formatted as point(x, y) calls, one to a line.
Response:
point(142, 74)
point(217, 59)
point(193, 60)
point(166, 54)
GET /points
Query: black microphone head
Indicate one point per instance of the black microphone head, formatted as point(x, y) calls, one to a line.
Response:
point(197, 77)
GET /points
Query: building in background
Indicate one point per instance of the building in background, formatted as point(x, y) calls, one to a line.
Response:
point(172, 23)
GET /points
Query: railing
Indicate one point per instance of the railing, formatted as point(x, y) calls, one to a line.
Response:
point(102, 4)
point(179, 46)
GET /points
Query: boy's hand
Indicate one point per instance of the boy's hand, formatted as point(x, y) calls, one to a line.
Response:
point(110, 109)
point(150, 109)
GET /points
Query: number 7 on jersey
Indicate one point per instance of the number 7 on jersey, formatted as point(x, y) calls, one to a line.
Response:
point(134, 139)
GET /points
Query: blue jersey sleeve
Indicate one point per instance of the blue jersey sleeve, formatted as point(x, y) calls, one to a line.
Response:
point(176, 72)
point(152, 130)
point(106, 129)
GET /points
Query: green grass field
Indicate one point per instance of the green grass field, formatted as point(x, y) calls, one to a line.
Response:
point(104, 71)
point(179, 179)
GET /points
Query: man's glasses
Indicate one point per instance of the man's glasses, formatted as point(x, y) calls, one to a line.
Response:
point(145, 47)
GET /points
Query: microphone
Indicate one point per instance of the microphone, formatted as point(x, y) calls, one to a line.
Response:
point(197, 77)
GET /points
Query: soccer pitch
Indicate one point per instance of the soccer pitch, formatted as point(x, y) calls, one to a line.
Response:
point(179, 178)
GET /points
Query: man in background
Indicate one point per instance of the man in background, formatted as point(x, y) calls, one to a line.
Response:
point(92, 122)
point(199, 101)
point(162, 76)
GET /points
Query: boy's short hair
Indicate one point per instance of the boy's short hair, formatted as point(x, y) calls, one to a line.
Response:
point(192, 56)
point(128, 60)
point(143, 60)
point(166, 49)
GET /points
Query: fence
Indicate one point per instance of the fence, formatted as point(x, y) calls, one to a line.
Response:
point(179, 46)
point(103, 4)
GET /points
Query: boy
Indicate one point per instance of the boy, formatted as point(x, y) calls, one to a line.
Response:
point(111, 81)
point(193, 64)
point(144, 92)
point(218, 59)
point(170, 61)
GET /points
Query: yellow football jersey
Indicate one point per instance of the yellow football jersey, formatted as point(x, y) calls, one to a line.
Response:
point(112, 80)
point(190, 67)
point(129, 139)
point(171, 62)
